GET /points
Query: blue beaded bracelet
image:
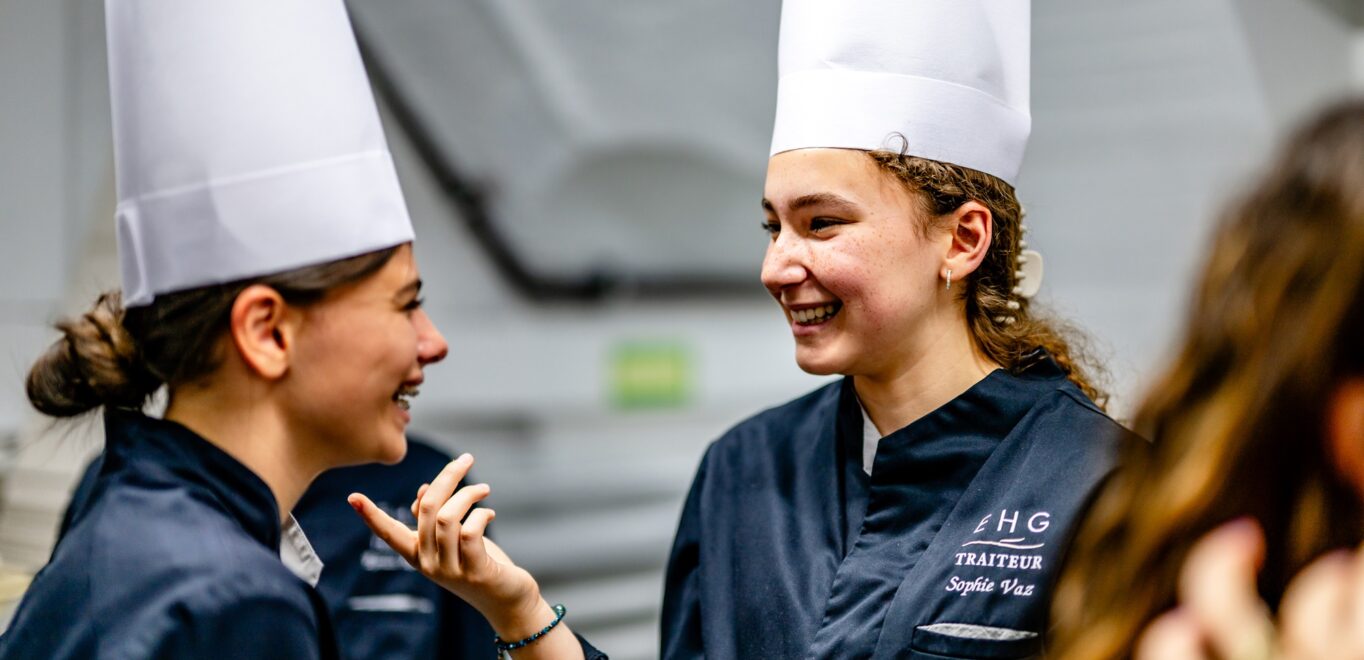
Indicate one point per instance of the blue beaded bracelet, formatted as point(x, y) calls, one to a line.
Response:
point(503, 647)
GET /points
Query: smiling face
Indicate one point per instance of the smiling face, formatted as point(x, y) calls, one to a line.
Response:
point(358, 359)
point(850, 262)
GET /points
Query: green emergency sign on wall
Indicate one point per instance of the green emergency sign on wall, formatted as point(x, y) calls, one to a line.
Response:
point(650, 374)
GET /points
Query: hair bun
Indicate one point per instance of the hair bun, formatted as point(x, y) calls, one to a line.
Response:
point(95, 363)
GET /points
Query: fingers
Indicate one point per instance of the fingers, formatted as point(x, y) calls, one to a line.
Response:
point(430, 503)
point(1313, 612)
point(1354, 607)
point(448, 519)
point(394, 533)
point(1173, 636)
point(1217, 587)
point(472, 552)
point(420, 491)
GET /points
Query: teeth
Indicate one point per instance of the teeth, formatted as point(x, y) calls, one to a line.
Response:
point(404, 397)
point(813, 314)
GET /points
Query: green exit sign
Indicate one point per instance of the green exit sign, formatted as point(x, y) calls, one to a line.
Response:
point(650, 374)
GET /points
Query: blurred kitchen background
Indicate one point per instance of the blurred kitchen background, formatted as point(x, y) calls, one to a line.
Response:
point(584, 179)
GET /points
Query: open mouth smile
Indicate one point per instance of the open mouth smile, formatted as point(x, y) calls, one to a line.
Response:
point(403, 397)
point(816, 314)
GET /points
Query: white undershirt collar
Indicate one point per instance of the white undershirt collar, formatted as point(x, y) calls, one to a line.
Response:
point(871, 437)
point(297, 553)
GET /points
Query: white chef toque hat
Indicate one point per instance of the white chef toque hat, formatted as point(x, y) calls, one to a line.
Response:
point(246, 142)
point(950, 76)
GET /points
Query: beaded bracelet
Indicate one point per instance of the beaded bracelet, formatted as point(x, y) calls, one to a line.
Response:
point(503, 647)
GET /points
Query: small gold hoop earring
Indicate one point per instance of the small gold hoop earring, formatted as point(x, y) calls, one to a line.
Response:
point(949, 278)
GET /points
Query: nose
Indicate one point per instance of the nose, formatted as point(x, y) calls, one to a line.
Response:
point(784, 264)
point(431, 346)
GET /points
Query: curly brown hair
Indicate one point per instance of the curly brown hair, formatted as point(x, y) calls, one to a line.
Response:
point(1010, 337)
point(1236, 422)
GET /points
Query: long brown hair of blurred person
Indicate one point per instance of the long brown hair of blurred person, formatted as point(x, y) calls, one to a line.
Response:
point(1237, 421)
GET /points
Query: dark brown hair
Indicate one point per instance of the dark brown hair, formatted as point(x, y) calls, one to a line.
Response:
point(1009, 337)
point(117, 356)
point(1237, 421)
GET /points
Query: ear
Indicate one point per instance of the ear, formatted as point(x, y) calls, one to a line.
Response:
point(972, 226)
point(1345, 431)
point(263, 331)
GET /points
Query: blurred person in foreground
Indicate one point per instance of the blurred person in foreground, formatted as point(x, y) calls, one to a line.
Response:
point(1259, 425)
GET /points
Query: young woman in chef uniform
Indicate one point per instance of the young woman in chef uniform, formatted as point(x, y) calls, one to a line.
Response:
point(919, 506)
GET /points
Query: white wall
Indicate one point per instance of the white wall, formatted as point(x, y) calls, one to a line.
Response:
point(55, 202)
point(1301, 53)
point(1147, 115)
point(33, 209)
point(1358, 59)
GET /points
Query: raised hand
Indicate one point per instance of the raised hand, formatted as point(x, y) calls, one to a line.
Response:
point(448, 547)
point(1221, 615)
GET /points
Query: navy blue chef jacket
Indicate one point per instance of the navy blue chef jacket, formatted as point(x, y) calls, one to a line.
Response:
point(787, 549)
point(174, 553)
point(381, 608)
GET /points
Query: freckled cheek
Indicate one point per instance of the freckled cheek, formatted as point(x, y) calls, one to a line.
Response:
point(856, 276)
point(885, 296)
point(878, 317)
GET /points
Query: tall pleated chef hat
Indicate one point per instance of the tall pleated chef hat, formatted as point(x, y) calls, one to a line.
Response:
point(246, 142)
point(950, 76)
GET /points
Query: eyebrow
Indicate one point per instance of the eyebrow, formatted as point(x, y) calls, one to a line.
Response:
point(814, 199)
point(415, 287)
